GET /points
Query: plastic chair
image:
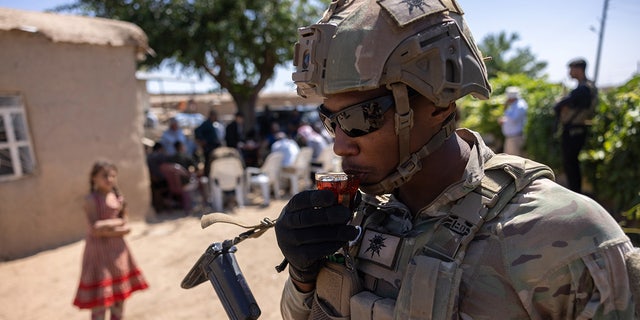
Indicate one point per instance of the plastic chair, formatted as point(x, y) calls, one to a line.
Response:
point(227, 174)
point(300, 171)
point(267, 176)
point(223, 152)
point(327, 161)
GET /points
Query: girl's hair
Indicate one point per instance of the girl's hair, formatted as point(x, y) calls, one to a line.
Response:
point(99, 166)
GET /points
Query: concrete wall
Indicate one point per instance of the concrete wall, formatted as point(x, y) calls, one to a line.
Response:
point(82, 105)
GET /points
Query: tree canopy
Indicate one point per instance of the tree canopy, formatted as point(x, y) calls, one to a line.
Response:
point(508, 59)
point(237, 42)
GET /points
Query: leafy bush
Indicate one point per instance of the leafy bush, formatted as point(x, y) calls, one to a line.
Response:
point(611, 158)
point(541, 145)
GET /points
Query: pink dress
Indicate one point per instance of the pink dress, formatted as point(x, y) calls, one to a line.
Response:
point(109, 272)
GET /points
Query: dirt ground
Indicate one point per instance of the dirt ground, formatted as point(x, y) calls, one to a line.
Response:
point(43, 286)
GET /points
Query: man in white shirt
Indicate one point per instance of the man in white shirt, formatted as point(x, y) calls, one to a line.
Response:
point(287, 146)
point(513, 121)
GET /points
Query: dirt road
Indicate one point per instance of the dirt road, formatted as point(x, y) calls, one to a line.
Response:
point(43, 286)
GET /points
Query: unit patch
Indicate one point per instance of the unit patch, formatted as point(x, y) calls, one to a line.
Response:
point(380, 248)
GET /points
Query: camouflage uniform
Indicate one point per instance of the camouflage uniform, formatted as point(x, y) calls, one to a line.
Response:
point(549, 254)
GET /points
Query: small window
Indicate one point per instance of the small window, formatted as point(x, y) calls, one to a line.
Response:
point(16, 152)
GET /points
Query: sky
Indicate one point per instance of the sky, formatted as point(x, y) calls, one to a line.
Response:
point(555, 31)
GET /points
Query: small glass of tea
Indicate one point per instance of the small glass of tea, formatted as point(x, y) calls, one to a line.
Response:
point(344, 186)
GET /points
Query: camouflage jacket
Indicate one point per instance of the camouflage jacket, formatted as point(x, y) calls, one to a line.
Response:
point(549, 254)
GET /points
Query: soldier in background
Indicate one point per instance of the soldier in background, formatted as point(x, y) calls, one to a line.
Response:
point(574, 113)
point(445, 228)
point(208, 138)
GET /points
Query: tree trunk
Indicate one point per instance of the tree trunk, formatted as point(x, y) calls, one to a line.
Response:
point(247, 105)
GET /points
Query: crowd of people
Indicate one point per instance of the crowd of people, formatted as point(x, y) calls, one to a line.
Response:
point(192, 149)
point(187, 151)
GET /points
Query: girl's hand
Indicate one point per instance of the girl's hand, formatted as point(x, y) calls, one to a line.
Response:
point(111, 228)
point(108, 223)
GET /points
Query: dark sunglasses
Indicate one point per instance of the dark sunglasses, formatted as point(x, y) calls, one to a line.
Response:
point(358, 119)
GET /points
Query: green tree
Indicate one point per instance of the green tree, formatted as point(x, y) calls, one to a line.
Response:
point(237, 42)
point(508, 59)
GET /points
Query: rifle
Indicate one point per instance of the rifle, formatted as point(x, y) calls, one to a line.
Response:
point(218, 264)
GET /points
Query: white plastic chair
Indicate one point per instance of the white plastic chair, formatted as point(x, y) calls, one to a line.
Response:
point(223, 152)
point(327, 161)
point(300, 171)
point(227, 174)
point(267, 176)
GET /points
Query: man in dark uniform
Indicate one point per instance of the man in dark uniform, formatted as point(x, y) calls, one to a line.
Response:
point(235, 132)
point(208, 139)
point(574, 113)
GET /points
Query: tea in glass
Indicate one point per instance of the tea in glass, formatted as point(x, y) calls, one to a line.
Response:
point(344, 186)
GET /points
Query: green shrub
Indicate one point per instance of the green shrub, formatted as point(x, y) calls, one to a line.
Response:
point(611, 157)
point(611, 160)
point(541, 145)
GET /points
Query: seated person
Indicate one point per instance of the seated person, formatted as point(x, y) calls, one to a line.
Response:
point(288, 147)
point(182, 158)
point(192, 168)
point(155, 159)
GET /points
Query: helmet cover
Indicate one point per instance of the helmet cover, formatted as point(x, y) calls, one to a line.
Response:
point(363, 45)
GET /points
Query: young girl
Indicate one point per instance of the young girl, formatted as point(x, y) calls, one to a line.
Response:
point(109, 272)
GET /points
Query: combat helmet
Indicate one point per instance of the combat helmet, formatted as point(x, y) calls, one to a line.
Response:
point(405, 45)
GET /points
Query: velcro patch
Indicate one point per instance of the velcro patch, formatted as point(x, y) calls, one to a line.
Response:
point(407, 11)
point(380, 248)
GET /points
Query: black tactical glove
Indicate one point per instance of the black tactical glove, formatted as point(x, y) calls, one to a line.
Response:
point(311, 226)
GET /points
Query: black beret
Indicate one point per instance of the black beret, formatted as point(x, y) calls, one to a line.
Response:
point(580, 63)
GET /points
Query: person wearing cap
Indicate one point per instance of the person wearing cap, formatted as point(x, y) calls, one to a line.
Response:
point(512, 121)
point(574, 113)
point(442, 227)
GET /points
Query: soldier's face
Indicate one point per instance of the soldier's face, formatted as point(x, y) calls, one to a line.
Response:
point(371, 156)
point(574, 72)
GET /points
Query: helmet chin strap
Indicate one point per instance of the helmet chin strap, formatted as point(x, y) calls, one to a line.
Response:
point(411, 162)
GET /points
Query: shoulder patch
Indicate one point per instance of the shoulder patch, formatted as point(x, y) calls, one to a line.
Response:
point(406, 11)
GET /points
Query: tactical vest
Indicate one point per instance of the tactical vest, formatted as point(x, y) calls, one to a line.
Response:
point(582, 116)
point(423, 262)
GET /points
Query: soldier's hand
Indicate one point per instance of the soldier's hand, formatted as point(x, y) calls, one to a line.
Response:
point(311, 226)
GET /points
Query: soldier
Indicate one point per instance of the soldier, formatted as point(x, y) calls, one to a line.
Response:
point(574, 113)
point(444, 228)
